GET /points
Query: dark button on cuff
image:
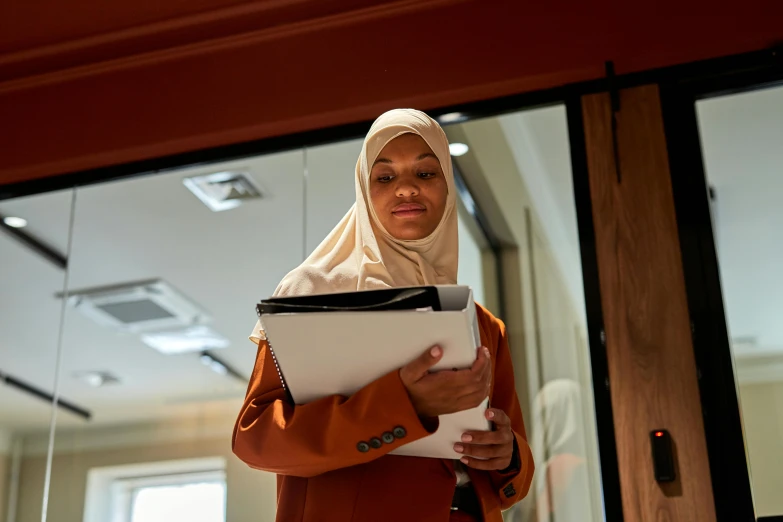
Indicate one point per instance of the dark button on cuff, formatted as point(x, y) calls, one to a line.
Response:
point(363, 447)
point(388, 437)
point(375, 442)
point(509, 491)
point(399, 432)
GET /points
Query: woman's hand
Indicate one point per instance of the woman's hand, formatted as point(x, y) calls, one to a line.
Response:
point(488, 450)
point(438, 393)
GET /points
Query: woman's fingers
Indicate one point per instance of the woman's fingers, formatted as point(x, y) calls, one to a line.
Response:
point(483, 451)
point(449, 391)
point(488, 465)
point(481, 362)
point(499, 417)
point(489, 437)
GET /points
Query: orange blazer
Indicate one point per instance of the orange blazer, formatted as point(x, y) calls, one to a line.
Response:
point(323, 476)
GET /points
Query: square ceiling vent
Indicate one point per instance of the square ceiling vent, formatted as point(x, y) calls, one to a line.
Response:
point(146, 306)
point(223, 190)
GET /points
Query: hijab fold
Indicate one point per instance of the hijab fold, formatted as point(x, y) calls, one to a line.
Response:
point(359, 254)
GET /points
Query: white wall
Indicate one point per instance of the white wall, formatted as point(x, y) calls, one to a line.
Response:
point(762, 415)
point(5, 470)
point(741, 139)
point(471, 263)
point(251, 494)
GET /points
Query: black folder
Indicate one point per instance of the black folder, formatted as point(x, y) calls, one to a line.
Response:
point(364, 301)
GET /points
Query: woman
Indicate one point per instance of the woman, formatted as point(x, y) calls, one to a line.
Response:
point(402, 231)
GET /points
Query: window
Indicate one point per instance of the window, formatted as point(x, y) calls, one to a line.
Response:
point(193, 490)
point(197, 497)
point(741, 136)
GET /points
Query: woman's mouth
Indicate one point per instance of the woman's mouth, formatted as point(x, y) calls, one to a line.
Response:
point(408, 210)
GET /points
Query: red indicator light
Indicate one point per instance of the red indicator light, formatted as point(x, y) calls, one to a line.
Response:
point(659, 434)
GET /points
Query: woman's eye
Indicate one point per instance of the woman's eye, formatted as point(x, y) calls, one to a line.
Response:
point(383, 179)
point(426, 175)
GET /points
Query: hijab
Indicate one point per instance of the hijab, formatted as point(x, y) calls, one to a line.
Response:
point(557, 419)
point(359, 254)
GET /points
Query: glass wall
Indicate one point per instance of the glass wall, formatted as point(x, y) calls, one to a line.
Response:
point(520, 165)
point(741, 139)
point(34, 233)
point(164, 274)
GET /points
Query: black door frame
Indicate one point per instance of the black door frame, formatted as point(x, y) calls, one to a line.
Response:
point(720, 405)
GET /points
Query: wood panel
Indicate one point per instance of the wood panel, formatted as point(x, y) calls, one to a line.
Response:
point(652, 370)
point(97, 83)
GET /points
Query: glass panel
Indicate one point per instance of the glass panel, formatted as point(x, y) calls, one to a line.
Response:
point(741, 140)
point(473, 255)
point(164, 389)
point(168, 267)
point(33, 249)
point(520, 170)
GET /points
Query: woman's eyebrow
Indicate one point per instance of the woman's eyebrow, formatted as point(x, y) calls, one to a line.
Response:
point(421, 157)
point(382, 160)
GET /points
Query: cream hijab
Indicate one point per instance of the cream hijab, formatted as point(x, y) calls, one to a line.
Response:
point(359, 254)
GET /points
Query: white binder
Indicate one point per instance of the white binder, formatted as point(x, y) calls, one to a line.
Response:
point(328, 353)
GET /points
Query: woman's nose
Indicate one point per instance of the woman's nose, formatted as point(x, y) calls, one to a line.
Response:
point(406, 189)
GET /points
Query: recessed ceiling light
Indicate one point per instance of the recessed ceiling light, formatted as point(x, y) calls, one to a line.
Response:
point(96, 379)
point(458, 149)
point(452, 117)
point(15, 222)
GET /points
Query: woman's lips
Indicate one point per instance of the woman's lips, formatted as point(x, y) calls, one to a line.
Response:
point(408, 210)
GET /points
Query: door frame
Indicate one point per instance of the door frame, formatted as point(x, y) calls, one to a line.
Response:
point(711, 342)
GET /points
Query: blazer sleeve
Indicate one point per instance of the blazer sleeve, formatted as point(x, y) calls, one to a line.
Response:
point(272, 434)
point(512, 483)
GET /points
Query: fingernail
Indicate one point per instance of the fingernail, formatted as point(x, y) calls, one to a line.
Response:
point(490, 414)
point(435, 352)
point(466, 438)
point(486, 352)
point(464, 460)
point(458, 448)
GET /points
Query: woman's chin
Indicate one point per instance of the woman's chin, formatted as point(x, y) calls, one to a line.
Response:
point(409, 233)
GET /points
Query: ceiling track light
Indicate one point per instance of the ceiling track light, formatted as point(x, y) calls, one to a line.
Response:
point(45, 396)
point(32, 242)
point(221, 367)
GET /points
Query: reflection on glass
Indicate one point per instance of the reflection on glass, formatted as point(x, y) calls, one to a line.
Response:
point(741, 140)
point(33, 249)
point(164, 276)
point(562, 484)
point(522, 165)
point(163, 286)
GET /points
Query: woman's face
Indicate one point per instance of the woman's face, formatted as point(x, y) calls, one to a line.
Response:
point(407, 188)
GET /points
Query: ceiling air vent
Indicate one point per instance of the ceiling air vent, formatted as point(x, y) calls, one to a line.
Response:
point(144, 306)
point(223, 190)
